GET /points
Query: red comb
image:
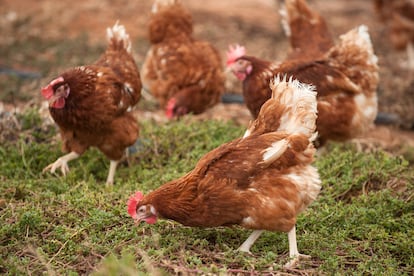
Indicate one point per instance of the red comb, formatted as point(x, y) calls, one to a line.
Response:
point(235, 52)
point(47, 92)
point(133, 202)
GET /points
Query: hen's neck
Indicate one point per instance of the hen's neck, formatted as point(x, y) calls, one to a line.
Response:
point(175, 200)
point(81, 81)
point(259, 65)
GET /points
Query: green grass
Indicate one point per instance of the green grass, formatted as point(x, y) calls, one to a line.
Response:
point(361, 224)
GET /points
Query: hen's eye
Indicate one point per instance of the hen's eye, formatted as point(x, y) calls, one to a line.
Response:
point(141, 209)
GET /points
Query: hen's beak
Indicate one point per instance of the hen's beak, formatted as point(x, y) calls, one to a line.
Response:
point(54, 98)
point(141, 217)
point(149, 216)
point(61, 92)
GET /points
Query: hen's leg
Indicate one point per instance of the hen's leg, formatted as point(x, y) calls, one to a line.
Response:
point(111, 174)
point(408, 64)
point(62, 162)
point(410, 55)
point(245, 247)
point(293, 250)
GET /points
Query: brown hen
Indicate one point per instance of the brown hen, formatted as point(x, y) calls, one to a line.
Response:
point(398, 16)
point(184, 74)
point(92, 104)
point(261, 181)
point(346, 78)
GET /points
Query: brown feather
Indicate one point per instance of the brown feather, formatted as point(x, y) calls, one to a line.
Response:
point(97, 110)
point(236, 184)
point(179, 66)
point(309, 34)
point(345, 77)
point(398, 17)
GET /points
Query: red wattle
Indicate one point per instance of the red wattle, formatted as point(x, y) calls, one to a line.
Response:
point(59, 103)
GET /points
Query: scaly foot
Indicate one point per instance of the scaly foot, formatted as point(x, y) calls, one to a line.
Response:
point(62, 163)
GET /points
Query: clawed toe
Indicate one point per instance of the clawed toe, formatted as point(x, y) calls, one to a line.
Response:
point(47, 168)
point(64, 168)
point(295, 261)
point(61, 163)
point(247, 251)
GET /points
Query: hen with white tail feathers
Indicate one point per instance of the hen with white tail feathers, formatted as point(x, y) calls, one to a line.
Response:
point(346, 79)
point(261, 181)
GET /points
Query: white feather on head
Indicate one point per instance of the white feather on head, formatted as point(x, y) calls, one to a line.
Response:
point(360, 37)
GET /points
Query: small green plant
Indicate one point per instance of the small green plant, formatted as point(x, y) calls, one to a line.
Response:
point(30, 221)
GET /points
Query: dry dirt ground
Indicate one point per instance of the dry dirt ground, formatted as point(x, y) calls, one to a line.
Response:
point(253, 23)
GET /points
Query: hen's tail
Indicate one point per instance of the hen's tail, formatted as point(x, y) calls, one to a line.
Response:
point(118, 38)
point(358, 40)
point(306, 29)
point(354, 56)
point(291, 109)
point(297, 13)
point(162, 3)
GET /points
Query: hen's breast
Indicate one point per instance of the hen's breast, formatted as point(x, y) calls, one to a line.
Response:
point(308, 184)
point(95, 99)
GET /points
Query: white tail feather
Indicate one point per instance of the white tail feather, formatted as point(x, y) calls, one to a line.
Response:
point(299, 113)
point(159, 3)
point(301, 106)
point(360, 37)
point(285, 20)
point(119, 33)
point(247, 133)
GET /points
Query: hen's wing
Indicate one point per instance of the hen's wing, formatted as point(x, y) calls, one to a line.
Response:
point(175, 66)
point(284, 127)
point(166, 68)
